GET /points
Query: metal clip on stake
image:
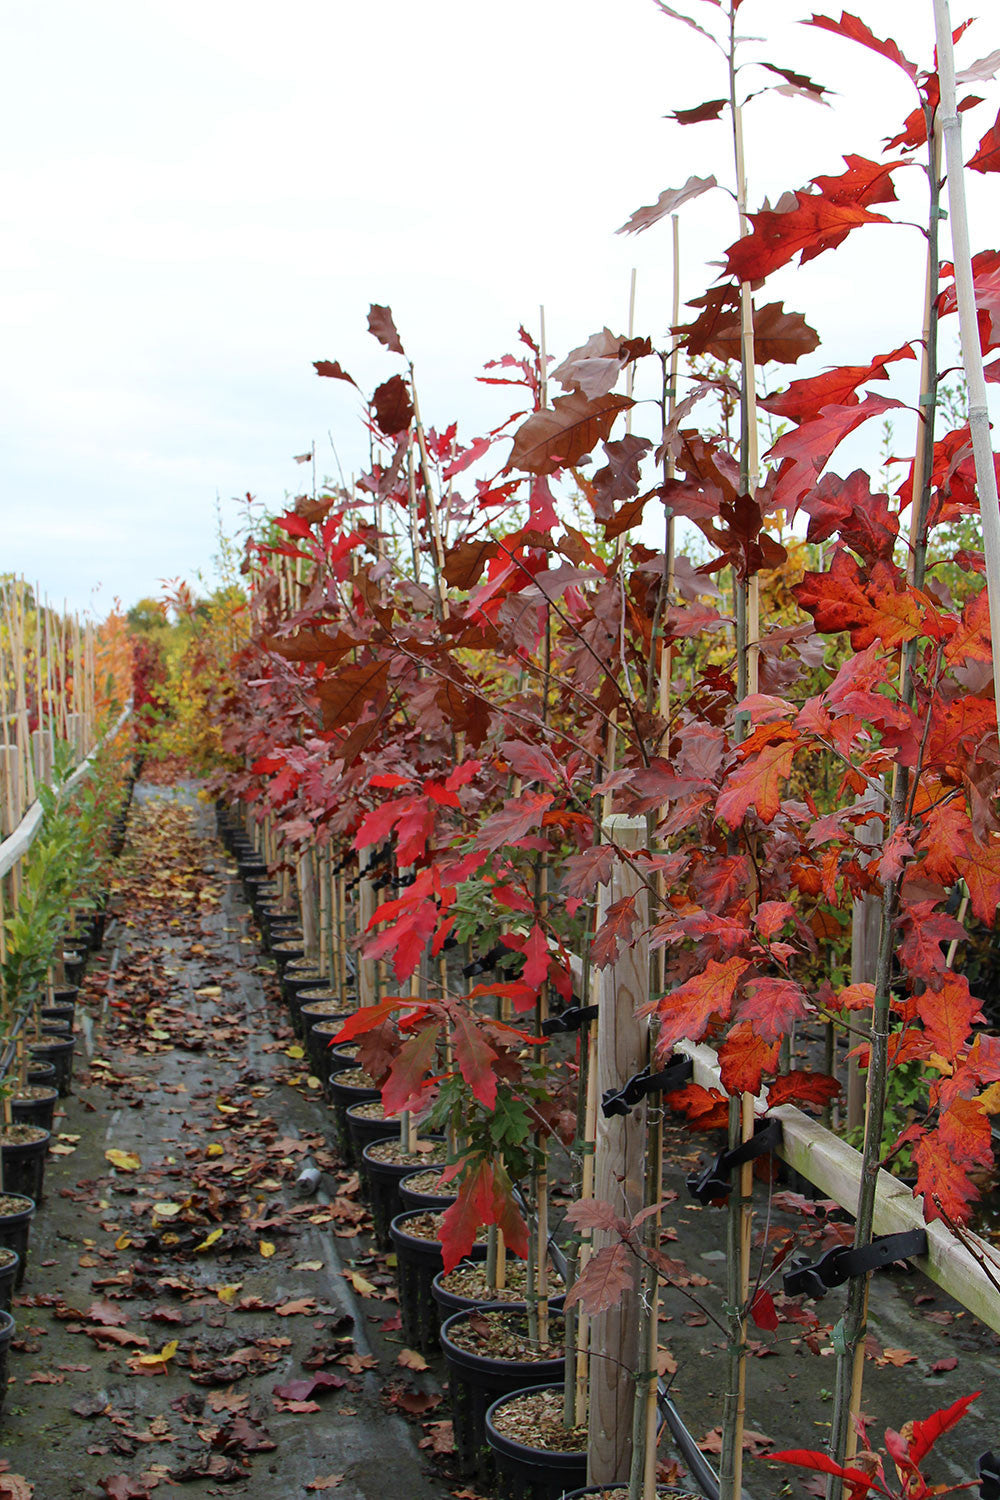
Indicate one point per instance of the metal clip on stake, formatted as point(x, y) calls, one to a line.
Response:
point(712, 1183)
point(488, 961)
point(989, 1476)
point(815, 1278)
point(673, 1076)
point(571, 1019)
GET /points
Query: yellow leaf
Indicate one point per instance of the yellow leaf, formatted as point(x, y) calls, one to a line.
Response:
point(989, 1099)
point(216, 1150)
point(308, 1265)
point(226, 1109)
point(210, 992)
point(266, 1249)
point(166, 1210)
point(209, 1240)
point(167, 1352)
point(295, 1052)
point(160, 1036)
point(411, 1360)
point(228, 1294)
point(125, 1161)
point(58, 1150)
point(122, 1242)
point(313, 1082)
point(361, 1285)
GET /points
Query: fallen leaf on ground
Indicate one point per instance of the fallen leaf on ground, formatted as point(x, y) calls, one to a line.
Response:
point(266, 1249)
point(301, 1390)
point(297, 1305)
point(328, 1482)
point(411, 1360)
point(361, 1284)
point(15, 1487)
point(166, 1353)
point(125, 1161)
point(897, 1357)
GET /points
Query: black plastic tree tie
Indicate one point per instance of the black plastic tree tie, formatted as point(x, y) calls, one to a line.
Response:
point(815, 1278)
point(620, 1101)
point(989, 1476)
point(488, 961)
point(571, 1019)
point(712, 1183)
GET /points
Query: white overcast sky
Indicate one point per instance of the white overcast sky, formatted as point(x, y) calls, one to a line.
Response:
point(199, 199)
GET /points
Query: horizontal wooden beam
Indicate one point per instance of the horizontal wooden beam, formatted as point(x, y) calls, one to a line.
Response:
point(17, 845)
point(957, 1265)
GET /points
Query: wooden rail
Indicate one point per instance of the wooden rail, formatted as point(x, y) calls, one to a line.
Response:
point(19, 842)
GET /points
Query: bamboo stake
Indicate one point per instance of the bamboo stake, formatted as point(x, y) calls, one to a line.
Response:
point(972, 356)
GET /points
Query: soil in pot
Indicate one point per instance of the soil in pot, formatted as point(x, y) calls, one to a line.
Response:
point(42, 1072)
point(417, 1240)
point(35, 1104)
point(467, 1286)
point(489, 1354)
point(424, 1189)
point(536, 1456)
point(385, 1162)
point(15, 1224)
point(23, 1149)
point(9, 1261)
point(620, 1492)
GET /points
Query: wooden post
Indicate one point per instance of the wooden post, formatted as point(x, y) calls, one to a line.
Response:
point(366, 966)
point(618, 1171)
point(864, 953)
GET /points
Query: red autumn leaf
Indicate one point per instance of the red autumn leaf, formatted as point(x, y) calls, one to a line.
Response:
point(763, 1311)
point(379, 823)
point(107, 1313)
point(562, 434)
point(121, 1487)
point(710, 110)
point(464, 563)
point(594, 1213)
point(615, 932)
point(771, 916)
point(475, 1058)
point(948, 1011)
point(585, 871)
point(517, 817)
point(384, 329)
point(859, 996)
point(807, 449)
point(759, 780)
point(332, 370)
point(605, 1279)
point(815, 225)
point(744, 1057)
point(706, 1109)
point(294, 525)
point(536, 958)
point(800, 1087)
point(404, 1088)
point(669, 200)
point(485, 1196)
point(979, 866)
point(987, 157)
point(393, 407)
point(302, 1390)
point(857, 1481)
point(873, 604)
point(772, 1006)
point(848, 507)
point(344, 695)
point(944, 1156)
point(925, 1431)
point(804, 400)
point(856, 31)
point(370, 1016)
point(530, 762)
point(686, 1011)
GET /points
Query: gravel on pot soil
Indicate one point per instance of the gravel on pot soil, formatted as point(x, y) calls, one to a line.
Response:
point(11, 1203)
point(21, 1135)
point(428, 1227)
point(355, 1078)
point(536, 1421)
point(428, 1182)
point(504, 1335)
point(394, 1151)
point(471, 1281)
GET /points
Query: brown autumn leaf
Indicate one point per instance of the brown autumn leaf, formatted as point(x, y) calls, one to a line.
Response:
point(333, 370)
point(411, 1360)
point(415, 1403)
point(381, 325)
point(15, 1487)
point(106, 1313)
point(392, 406)
point(668, 201)
point(296, 1305)
point(897, 1357)
point(325, 1482)
point(562, 435)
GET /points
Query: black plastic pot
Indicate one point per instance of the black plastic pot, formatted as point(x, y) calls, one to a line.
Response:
point(74, 964)
point(7, 1330)
point(65, 994)
point(40, 1111)
point(418, 1261)
point(284, 951)
point(341, 1096)
point(8, 1277)
point(61, 1015)
point(24, 1165)
point(322, 1058)
point(475, 1382)
point(58, 1052)
point(307, 997)
point(415, 1197)
point(42, 1072)
point(381, 1178)
point(603, 1491)
point(524, 1473)
point(15, 1228)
